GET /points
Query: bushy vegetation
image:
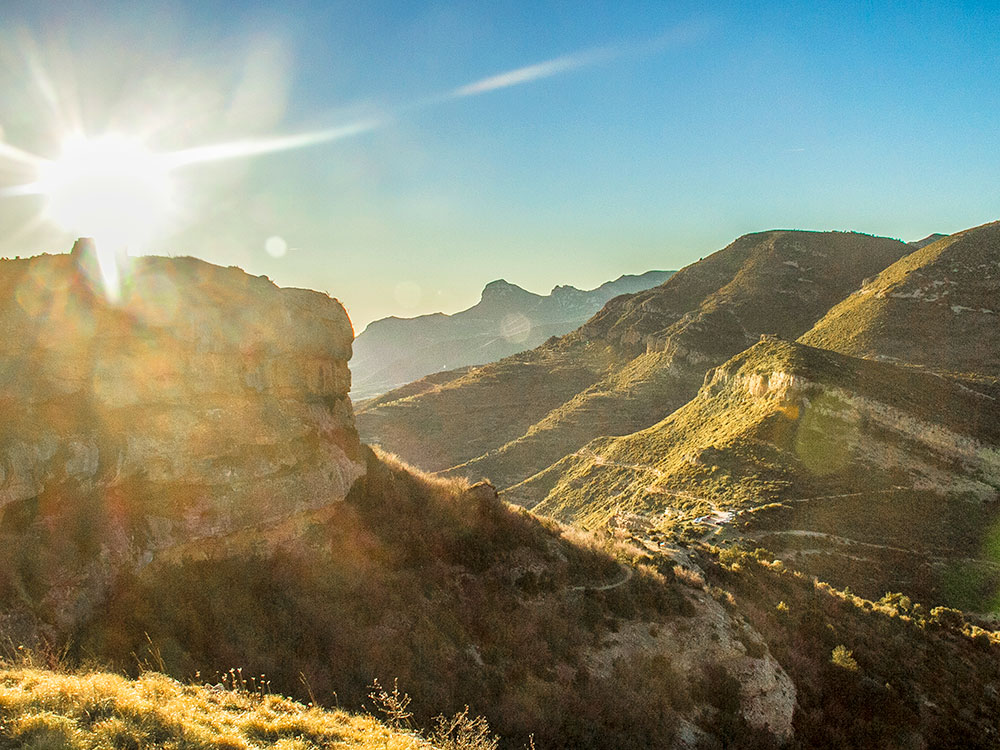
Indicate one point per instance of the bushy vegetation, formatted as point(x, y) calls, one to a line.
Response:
point(463, 599)
point(886, 673)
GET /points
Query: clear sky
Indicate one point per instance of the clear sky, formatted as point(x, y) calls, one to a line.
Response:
point(545, 143)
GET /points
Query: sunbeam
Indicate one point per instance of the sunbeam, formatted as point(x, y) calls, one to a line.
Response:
point(249, 147)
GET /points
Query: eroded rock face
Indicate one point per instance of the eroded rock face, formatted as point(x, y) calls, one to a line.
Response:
point(206, 401)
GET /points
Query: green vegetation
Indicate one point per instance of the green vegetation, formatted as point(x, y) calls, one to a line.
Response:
point(885, 673)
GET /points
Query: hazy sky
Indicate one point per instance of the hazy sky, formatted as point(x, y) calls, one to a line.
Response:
point(545, 143)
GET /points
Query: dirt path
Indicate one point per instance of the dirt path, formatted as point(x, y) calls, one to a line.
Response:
point(629, 572)
point(848, 542)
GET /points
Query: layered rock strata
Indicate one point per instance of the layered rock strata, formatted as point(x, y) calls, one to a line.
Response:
point(202, 402)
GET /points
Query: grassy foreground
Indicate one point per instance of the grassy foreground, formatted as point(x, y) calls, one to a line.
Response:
point(44, 710)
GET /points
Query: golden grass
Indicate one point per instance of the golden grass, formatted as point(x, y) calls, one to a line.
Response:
point(43, 710)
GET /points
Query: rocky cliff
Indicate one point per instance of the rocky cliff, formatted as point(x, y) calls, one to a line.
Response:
point(204, 402)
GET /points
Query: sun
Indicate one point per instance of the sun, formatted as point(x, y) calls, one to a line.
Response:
point(111, 188)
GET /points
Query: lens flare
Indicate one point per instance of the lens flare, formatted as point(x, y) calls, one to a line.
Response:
point(111, 188)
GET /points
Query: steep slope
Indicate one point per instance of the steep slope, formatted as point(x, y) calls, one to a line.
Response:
point(467, 602)
point(937, 308)
point(667, 338)
point(445, 419)
point(394, 351)
point(811, 449)
point(204, 403)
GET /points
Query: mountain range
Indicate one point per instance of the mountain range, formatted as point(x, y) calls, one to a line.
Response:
point(766, 392)
point(507, 319)
point(637, 360)
point(754, 506)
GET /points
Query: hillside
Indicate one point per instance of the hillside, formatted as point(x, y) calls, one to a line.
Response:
point(465, 601)
point(638, 359)
point(874, 476)
point(936, 308)
point(507, 319)
point(644, 635)
point(183, 487)
point(469, 602)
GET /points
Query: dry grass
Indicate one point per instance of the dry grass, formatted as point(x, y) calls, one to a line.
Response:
point(443, 486)
point(44, 710)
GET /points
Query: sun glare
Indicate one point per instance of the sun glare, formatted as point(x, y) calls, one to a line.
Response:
point(111, 188)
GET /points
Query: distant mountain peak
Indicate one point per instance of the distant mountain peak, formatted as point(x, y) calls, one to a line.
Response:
point(507, 319)
point(929, 239)
point(500, 289)
point(564, 289)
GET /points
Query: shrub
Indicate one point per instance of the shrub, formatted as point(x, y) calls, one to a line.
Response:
point(844, 658)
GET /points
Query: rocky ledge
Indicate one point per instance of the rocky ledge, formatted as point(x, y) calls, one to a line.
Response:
point(203, 402)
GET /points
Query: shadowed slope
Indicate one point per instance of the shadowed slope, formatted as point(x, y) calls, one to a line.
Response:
point(442, 420)
point(466, 601)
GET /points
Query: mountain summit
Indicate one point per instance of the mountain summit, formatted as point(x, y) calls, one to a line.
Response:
point(507, 319)
point(936, 308)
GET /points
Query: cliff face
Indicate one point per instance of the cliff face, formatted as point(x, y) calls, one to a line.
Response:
point(206, 402)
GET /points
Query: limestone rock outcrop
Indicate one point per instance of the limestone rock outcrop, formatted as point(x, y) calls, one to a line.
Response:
point(203, 402)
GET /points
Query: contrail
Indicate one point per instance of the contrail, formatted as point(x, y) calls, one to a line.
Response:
point(532, 72)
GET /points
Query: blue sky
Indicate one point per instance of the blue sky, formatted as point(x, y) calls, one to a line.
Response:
point(676, 128)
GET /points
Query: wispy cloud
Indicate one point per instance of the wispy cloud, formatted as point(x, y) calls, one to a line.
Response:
point(682, 34)
point(532, 72)
point(251, 147)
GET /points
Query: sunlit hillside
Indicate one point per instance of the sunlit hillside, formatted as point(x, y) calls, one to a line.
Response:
point(638, 359)
point(42, 709)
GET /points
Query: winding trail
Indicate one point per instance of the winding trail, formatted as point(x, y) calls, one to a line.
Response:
point(629, 572)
